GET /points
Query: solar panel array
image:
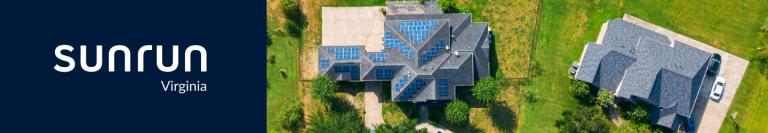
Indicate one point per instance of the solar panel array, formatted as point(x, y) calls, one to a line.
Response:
point(400, 83)
point(442, 87)
point(353, 70)
point(384, 73)
point(378, 57)
point(417, 30)
point(324, 63)
point(432, 52)
point(413, 90)
point(394, 43)
point(345, 53)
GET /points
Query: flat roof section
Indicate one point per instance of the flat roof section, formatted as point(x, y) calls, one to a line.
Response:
point(354, 26)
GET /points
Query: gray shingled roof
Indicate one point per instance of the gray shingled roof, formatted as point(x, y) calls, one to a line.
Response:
point(641, 65)
point(459, 70)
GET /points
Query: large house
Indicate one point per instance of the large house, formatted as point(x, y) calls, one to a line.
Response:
point(640, 65)
point(423, 56)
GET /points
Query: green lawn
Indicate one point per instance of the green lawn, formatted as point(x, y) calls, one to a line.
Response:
point(567, 25)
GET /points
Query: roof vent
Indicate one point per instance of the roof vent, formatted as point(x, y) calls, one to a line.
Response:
point(456, 53)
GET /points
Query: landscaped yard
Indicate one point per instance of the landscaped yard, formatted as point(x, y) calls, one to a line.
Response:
point(567, 25)
point(564, 28)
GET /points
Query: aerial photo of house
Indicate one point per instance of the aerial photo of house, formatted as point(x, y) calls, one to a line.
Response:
point(530, 66)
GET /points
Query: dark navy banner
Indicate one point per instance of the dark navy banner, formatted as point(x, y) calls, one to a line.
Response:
point(35, 96)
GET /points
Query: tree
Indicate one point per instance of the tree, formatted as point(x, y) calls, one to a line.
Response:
point(449, 6)
point(407, 126)
point(583, 120)
point(580, 88)
point(457, 112)
point(486, 90)
point(290, 115)
point(290, 8)
point(334, 122)
point(323, 88)
point(604, 98)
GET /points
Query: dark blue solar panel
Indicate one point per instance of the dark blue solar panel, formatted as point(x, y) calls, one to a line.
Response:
point(346, 53)
point(324, 63)
point(400, 83)
point(378, 57)
point(432, 52)
point(442, 87)
point(395, 43)
point(384, 73)
point(417, 30)
point(353, 70)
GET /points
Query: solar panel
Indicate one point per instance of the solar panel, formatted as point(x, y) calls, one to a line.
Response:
point(324, 63)
point(432, 52)
point(395, 43)
point(346, 53)
point(378, 57)
point(353, 70)
point(416, 30)
point(400, 83)
point(442, 87)
point(384, 73)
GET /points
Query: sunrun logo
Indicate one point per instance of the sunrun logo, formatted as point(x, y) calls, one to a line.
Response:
point(127, 54)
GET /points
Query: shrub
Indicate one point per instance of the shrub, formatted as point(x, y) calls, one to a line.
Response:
point(604, 98)
point(486, 90)
point(348, 122)
point(583, 120)
point(270, 58)
point(404, 127)
point(457, 112)
point(290, 8)
point(323, 88)
point(580, 89)
point(290, 115)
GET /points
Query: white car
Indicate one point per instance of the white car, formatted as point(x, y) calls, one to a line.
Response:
point(717, 88)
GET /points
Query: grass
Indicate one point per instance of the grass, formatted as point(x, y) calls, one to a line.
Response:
point(567, 25)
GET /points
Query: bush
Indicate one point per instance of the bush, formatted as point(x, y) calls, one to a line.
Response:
point(530, 95)
point(580, 89)
point(604, 98)
point(637, 114)
point(290, 115)
point(404, 127)
point(270, 58)
point(290, 8)
point(323, 89)
point(347, 122)
point(583, 120)
point(449, 6)
point(457, 112)
point(486, 90)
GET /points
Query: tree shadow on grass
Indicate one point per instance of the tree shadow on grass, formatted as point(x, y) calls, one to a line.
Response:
point(341, 105)
point(503, 117)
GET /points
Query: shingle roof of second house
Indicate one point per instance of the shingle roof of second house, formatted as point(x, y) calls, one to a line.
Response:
point(639, 64)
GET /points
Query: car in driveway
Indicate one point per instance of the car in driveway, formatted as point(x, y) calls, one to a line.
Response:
point(714, 65)
point(717, 88)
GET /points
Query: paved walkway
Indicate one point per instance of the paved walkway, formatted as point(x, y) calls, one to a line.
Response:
point(732, 69)
point(373, 115)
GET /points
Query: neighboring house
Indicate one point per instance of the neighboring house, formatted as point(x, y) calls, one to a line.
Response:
point(639, 65)
point(423, 56)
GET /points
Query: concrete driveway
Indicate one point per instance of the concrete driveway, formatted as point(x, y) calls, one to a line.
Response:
point(372, 102)
point(732, 69)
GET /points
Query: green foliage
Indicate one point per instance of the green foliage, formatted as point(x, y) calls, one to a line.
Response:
point(449, 6)
point(323, 88)
point(457, 112)
point(583, 120)
point(334, 122)
point(580, 89)
point(604, 98)
point(407, 126)
point(290, 8)
point(486, 90)
point(290, 115)
point(530, 95)
point(634, 112)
